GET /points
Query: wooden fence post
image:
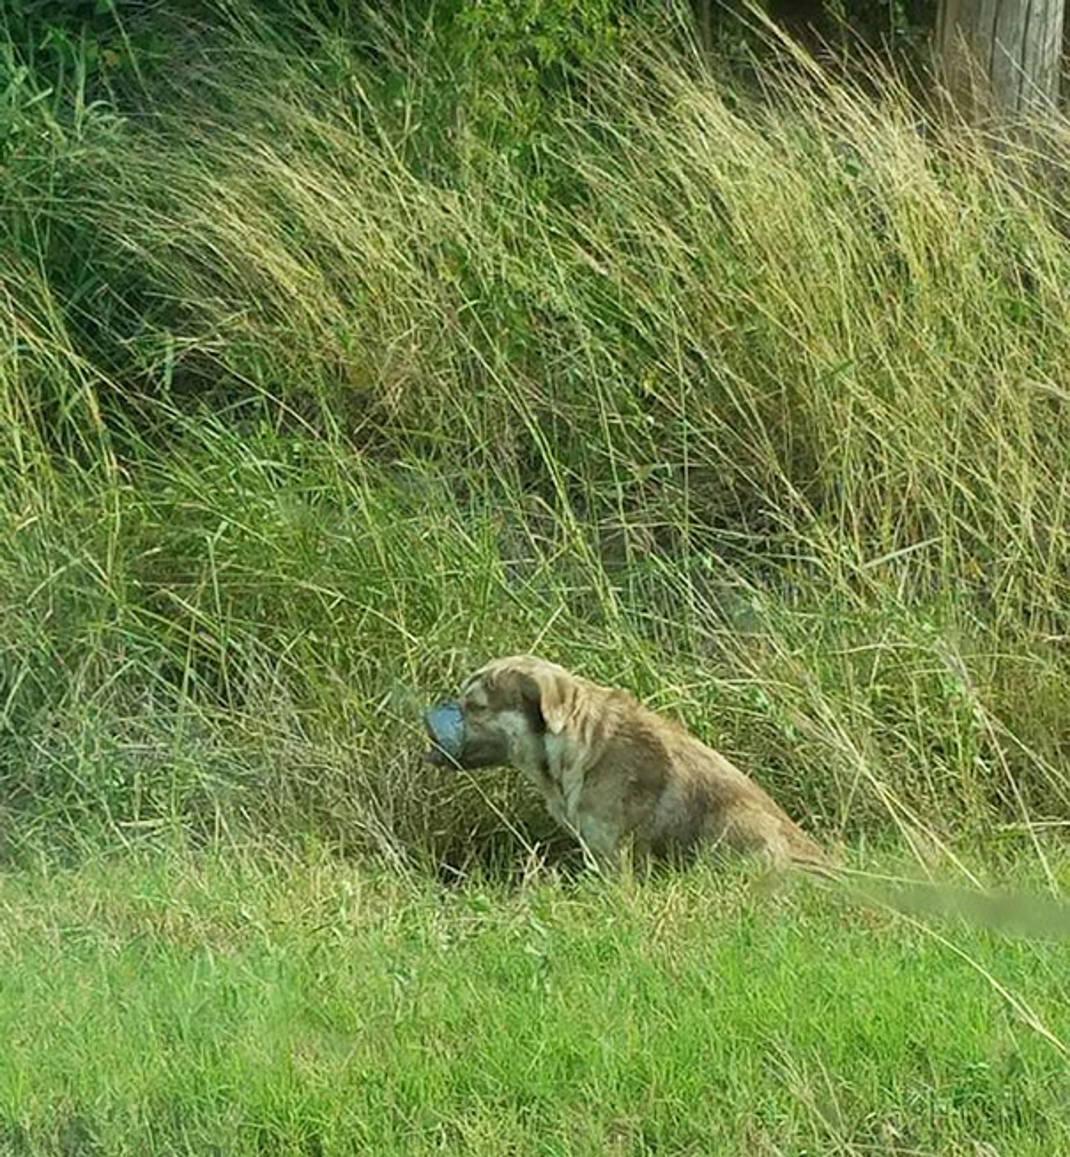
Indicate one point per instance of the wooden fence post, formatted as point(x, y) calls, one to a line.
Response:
point(1000, 57)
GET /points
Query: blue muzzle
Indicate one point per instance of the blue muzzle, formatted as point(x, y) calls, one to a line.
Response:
point(445, 726)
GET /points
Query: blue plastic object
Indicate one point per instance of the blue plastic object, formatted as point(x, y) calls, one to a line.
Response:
point(445, 725)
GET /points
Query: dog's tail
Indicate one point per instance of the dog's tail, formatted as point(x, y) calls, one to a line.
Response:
point(806, 855)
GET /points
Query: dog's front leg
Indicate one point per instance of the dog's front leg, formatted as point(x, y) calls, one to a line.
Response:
point(600, 845)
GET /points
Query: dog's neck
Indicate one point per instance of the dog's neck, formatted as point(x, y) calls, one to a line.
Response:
point(529, 755)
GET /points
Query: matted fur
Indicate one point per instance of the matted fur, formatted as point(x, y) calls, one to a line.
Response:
point(616, 774)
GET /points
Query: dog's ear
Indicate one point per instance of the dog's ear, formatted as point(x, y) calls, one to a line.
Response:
point(552, 694)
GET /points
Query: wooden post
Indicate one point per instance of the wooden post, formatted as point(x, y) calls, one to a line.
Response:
point(1000, 57)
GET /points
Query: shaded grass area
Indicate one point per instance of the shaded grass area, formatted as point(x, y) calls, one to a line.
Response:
point(244, 1003)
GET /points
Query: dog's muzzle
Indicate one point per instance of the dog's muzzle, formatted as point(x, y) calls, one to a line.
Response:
point(445, 726)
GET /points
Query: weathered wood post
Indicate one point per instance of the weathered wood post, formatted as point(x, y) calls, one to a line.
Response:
point(1000, 58)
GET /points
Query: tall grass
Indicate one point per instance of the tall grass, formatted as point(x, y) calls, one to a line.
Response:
point(318, 390)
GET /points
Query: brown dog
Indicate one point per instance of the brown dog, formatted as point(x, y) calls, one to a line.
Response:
point(611, 771)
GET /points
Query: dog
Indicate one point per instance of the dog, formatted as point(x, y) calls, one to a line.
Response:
point(622, 779)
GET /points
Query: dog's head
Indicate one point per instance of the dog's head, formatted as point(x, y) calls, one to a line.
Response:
point(503, 714)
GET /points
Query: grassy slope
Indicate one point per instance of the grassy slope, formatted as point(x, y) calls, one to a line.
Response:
point(244, 1005)
point(754, 405)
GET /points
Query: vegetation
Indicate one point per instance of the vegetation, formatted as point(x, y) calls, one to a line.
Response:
point(319, 389)
point(343, 351)
point(243, 1005)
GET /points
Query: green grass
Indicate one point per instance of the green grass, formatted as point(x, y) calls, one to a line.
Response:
point(249, 1004)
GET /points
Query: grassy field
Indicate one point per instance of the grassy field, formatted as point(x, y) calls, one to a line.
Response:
point(247, 1004)
point(341, 352)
